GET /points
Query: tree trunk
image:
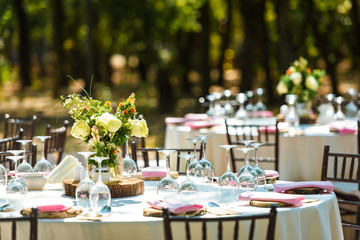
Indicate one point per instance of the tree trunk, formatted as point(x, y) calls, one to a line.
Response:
point(226, 37)
point(58, 19)
point(166, 97)
point(24, 43)
point(184, 45)
point(284, 50)
point(205, 45)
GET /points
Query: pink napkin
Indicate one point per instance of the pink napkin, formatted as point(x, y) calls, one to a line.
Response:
point(271, 173)
point(202, 124)
point(325, 185)
point(174, 120)
point(196, 116)
point(295, 200)
point(346, 130)
point(53, 208)
point(271, 129)
point(153, 172)
point(261, 114)
point(343, 127)
point(175, 207)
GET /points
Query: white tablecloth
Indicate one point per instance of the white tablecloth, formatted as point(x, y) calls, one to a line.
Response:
point(300, 157)
point(313, 221)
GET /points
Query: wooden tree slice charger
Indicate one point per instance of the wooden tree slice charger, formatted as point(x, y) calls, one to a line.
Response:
point(124, 188)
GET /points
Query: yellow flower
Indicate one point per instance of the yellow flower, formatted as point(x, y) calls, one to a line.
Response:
point(109, 122)
point(80, 129)
point(281, 88)
point(311, 83)
point(139, 128)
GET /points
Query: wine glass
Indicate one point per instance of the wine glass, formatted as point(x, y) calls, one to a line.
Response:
point(167, 187)
point(291, 117)
point(16, 188)
point(204, 169)
point(3, 180)
point(24, 165)
point(211, 110)
point(84, 187)
point(250, 106)
point(241, 113)
point(248, 166)
point(228, 182)
point(188, 190)
point(351, 108)
point(100, 193)
point(130, 168)
point(43, 165)
point(218, 110)
point(190, 170)
point(247, 181)
point(229, 110)
point(261, 176)
point(339, 115)
point(260, 106)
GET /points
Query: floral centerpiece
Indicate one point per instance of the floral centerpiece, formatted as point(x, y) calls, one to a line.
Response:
point(104, 131)
point(300, 80)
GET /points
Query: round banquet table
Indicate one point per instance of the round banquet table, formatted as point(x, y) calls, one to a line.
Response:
point(300, 157)
point(317, 220)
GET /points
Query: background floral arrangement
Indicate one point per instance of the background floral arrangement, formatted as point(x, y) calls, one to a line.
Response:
point(104, 131)
point(300, 80)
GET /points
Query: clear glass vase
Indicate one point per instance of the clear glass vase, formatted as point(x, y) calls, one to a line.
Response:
point(111, 170)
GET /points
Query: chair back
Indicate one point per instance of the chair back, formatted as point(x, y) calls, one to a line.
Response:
point(12, 126)
point(32, 219)
point(152, 154)
point(342, 167)
point(235, 220)
point(263, 133)
point(57, 141)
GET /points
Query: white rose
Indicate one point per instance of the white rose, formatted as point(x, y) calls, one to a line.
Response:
point(109, 122)
point(139, 128)
point(80, 129)
point(311, 83)
point(296, 77)
point(281, 88)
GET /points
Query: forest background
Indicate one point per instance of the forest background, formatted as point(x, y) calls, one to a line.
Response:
point(169, 52)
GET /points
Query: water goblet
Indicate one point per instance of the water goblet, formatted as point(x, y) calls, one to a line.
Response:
point(191, 167)
point(100, 193)
point(204, 168)
point(261, 176)
point(3, 180)
point(167, 187)
point(228, 181)
point(130, 168)
point(16, 188)
point(247, 181)
point(84, 187)
point(260, 106)
point(24, 165)
point(241, 113)
point(188, 190)
point(43, 165)
point(351, 108)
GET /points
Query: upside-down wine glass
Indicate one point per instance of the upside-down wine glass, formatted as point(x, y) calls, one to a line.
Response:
point(3, 180)
point(247, 181)
point(188, 190)
point(339, 115)
point(204, 169)
point(84, 187)
point(248, 166)
point(130, 168)
point(351, 108)
point(261, 176)
point(167, 187)
point(24, 165)
point(218, 110)
point(100, 193)
point(250, 107)
point(241, 113)
point(190, 170)
point(210, 112)
point(260, 106)
point(43, 165)
point(228, 108)
point(291, 117)
point(16, 188)
point(228, 182)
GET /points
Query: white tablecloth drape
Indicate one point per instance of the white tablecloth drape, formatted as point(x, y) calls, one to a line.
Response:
point(313, 221)
point(300, 157)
